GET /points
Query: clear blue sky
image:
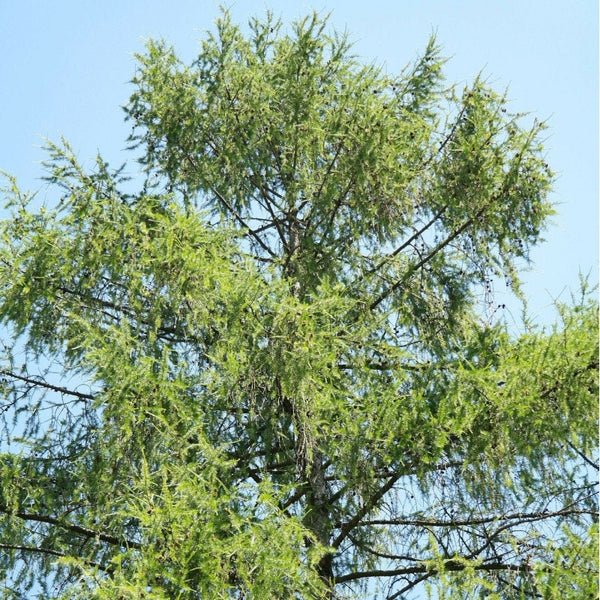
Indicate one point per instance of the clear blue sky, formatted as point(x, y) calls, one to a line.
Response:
point(65, 67)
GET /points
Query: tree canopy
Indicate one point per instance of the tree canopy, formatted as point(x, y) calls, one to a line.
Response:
point(260, 369)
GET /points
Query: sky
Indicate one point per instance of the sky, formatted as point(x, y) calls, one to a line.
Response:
point(66, 66)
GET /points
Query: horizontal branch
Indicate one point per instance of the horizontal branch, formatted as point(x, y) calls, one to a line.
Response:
point(448, 565)
point(32, 549)
point(520, 517)
point(77, 529)
point(35, 381)
point(50, 552)
point(386, 365)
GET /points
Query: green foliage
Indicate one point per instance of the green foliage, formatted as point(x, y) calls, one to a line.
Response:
point(264, 374)
point(575, 567)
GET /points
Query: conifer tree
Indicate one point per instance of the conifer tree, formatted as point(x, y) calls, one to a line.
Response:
point(265, 373)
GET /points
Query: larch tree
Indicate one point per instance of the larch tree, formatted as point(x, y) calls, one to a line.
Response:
point(265, 374)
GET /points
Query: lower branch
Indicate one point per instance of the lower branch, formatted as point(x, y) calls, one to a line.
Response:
point(449, 565)
point(49, 551)
point(77, 529)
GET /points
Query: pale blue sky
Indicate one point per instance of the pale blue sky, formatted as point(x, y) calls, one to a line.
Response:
point(66, 64)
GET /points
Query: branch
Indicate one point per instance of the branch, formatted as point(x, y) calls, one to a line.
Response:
point(35, 549)
point(243, 223)
point(44, 384)
point(449, 565)
point(494, 536)
point(519, 517)
point(405, 244)
point(234, 212)
point(268, 201)
point(455, 233)
point(32, 549)
point(581, 455)
point(328, 228)
point(429, 256)
point(166, 333)
point(346, 528)
point(409, 586)
point(263, 188)
point(84, 531)
point(386, 365)
point(325, 177)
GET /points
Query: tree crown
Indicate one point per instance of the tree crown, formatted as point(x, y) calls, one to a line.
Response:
point(289, 388)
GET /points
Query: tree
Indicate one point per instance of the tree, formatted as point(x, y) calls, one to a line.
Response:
point(265, 374)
